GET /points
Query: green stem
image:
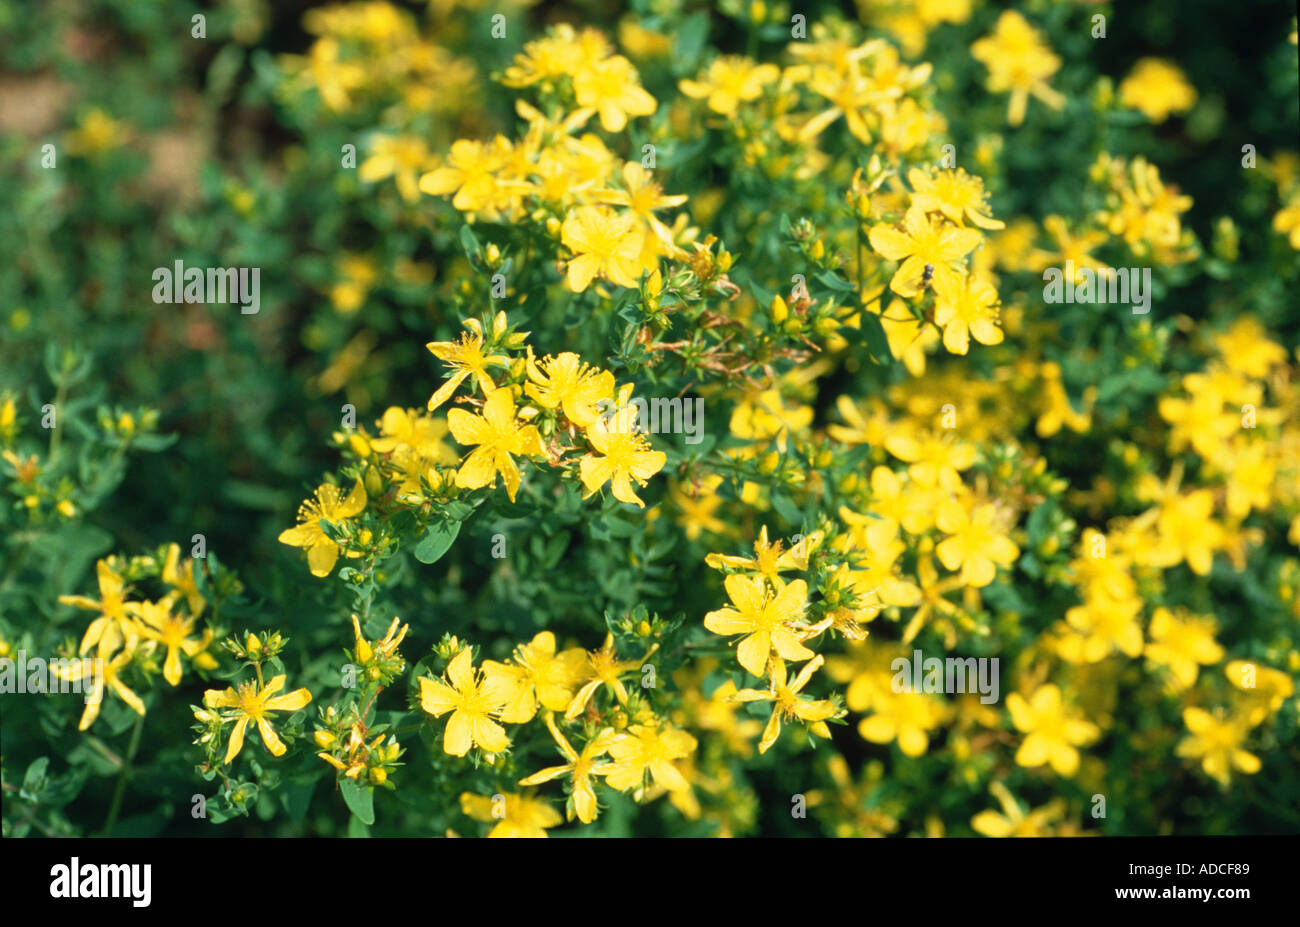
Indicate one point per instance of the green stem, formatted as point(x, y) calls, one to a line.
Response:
point(123, 776)
point(56, 433)
point(102, 749)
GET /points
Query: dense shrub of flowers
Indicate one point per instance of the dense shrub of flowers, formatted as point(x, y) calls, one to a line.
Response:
point(644, 418)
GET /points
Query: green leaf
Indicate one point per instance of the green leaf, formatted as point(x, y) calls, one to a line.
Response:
point(359, 799)
point(836, 282)
point(1039, 522)
point(437, 541)
point(34, 778)
point(691, 36)
point(787, 509)
point(873, 333)
point(469, 241)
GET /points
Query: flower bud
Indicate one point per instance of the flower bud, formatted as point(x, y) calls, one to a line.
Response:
point(780, 311)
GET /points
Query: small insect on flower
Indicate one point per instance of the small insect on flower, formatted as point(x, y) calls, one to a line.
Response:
point(927, 273)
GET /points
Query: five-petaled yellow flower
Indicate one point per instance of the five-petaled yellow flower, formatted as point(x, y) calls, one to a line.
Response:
point(625, 456)
point(652, 748)
point(604, 244)
point(767, 621)
point(580, 769)
point(514, 815)
point(922, 244)
point(114, 610)
point(328, 504)
point(537, 674)
point(788, 703)
point(976, 545)
point(563, 381)
point(465, 357)
point(158, 622)
point(1052, 730)
point(474, 699)
point(729, 81)
point(612, 88)
point(498, 436)
point(249, 704)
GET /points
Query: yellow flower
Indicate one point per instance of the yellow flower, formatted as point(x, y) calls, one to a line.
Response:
point(249, 704)
point(903, 716)
point(1216, 742)
point(1147, 215)
point(96, 133)
point(603, 667)
point(932, 600)
point(1252, 473)
point(1246, 348)
point(516, 815)
point(868, 424)
point(474, 699)
point(1157, 88)
point(643, 197)
point(105, 673)
point(977, 544)
point(181, 578)
point(114, 610)
point(1014, 822)
point(1071, 246)
point(538, 674)
point(933, 459)
point(564, 381)
point(1188, 531)
point(1265, 688)
point(423, 434)
point(159, 623)
point(965, 307)
point(321, 551)
point(465, 357)
point(1287, 221)
point(956, 194)
point(788, 703)
point(1180, 643)
point(1099, 627)
point(357, 274)
point(851, 96)
point(649, 747)
point(697, 505)
point(894, 505)
point(580, 769)
point(625, 457)
point(1019, 61)
point(763, 414)
point(768, 622)
point(604, 244)
point(729, 81)
point(1058, 411)
point(401, 157)
point(613, 89)
point(919, 245)
point(909, 339)
point(1052, 731)
point(559, 53)
point(471, 173)
point(498, 436)
point(769, 559)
